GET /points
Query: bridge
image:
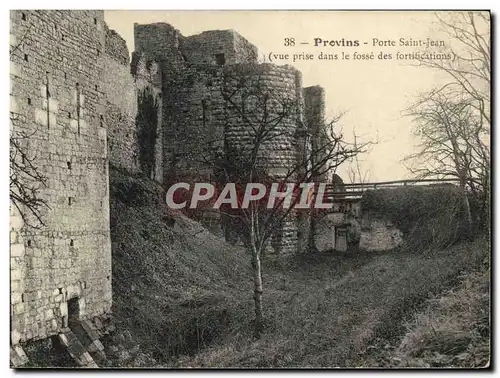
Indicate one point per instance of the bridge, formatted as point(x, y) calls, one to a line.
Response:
point(354, 191)
point(346, 199)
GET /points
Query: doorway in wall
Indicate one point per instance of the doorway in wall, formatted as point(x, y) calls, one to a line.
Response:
point(73, 310)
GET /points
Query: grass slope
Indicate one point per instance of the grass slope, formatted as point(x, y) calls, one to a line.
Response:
point(336, 312)
point(186, 295)
point(453, 329)
point(174, 286)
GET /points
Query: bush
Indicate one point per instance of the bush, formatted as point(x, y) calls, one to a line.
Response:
point(453, 330)
point(429, 217)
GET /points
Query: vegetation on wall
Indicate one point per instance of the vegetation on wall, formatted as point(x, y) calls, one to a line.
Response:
point(431, 216)
point(146, 124)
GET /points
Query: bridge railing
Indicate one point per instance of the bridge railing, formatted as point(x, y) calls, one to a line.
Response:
point(355, 191)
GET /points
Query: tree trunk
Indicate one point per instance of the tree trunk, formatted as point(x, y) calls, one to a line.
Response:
point(257, 290)
point(312, 232)
point(466, 204)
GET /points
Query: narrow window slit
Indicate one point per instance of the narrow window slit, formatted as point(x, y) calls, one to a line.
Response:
point(47, 95)
point(78, 106)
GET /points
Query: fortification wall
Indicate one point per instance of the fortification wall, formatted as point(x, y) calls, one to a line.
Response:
point(314, 115)
point(115, 46)
point(57, 99)
point(148, 80)
point(161, 41)
point(193, 114)
point(179, 100)
point(270, 94)
point(218, 47)
point(198, 72)
point(122, 83)
point(121, 104)
point(192, 105)
point(378, 234)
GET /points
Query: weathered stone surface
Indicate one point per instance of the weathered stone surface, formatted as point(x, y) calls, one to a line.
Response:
point(55, 84)
point(77, 350)
point(17, 356)
point(325, 233)
point(379, 235)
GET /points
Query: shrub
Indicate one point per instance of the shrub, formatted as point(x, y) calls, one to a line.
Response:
point(429, 217)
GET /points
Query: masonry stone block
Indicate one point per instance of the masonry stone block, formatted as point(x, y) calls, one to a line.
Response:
point(16, 222)
point(17, 250)
point(41, 117)
point(19, 308)
point(63, 307)
point(73, 124)
point(16, 298)
point(43, 91)
point(15, 69)
point(16, 274)
point(52, 119)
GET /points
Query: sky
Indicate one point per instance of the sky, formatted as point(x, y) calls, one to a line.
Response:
point(373, 93)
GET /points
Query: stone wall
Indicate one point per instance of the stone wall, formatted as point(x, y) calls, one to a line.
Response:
point(115, 46)
point(121, 108)
point(218, 47)
point(161, 41)
point(201, 79)
point(148, 77)
point(192, 105)
point(325, 232)
point(57, 99)
point(270, 95)
point(121, 85)
point(75, 94)
point(314, 116)
point(378, 234)
point(193, 115)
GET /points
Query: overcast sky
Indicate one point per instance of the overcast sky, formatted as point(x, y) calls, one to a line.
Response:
point(373, 92)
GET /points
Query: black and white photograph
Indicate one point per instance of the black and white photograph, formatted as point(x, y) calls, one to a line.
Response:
point(250, 189)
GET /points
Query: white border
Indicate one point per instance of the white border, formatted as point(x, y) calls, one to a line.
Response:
point(181, 5)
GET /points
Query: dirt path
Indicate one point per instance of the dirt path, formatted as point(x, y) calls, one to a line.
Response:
point(331, 312)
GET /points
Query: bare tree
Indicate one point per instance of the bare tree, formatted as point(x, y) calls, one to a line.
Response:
point(355, 173)
point(26, 179)
point(267, 117)
point(453, 121)
point(469, 70)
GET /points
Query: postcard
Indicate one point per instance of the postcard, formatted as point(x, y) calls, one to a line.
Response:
point(250, 189)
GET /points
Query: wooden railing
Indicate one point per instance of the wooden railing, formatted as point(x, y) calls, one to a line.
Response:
point(354, 192)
